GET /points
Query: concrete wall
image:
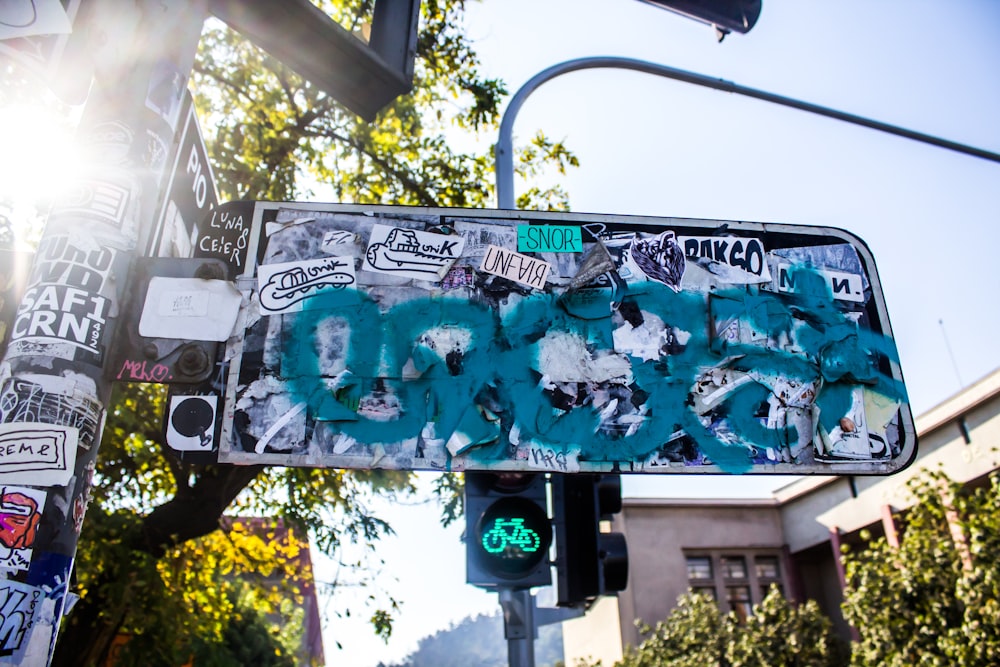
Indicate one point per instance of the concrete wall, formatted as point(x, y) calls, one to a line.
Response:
point(595, 636)
point(660, 532)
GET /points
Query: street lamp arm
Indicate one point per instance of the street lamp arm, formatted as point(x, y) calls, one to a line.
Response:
point(504, 158)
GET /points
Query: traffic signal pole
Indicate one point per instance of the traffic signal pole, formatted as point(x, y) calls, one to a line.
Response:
point(507, 536)
point(519, 627)
point(504, 154)
point(56, 379)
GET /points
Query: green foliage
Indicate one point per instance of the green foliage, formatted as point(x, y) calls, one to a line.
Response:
point(270, 132)
point(782, 634)
point(247, 639)
point(694, 635)
point(450, 490)
point(936, 599)
point(779, 634)
point(193, 598)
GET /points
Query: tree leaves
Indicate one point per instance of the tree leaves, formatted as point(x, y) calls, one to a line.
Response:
point(936, 599)
point(274, 136)
point(778, 634)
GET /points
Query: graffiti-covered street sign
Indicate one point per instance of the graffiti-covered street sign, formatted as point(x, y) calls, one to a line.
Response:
point(412, 338)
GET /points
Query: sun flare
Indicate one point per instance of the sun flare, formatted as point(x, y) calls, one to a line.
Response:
point(40, 155)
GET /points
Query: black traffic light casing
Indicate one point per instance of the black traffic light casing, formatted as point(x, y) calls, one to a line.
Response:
point(508, 532)
point(726, 15)
point(589, 563)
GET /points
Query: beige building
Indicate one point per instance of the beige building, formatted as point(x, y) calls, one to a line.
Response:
point(735, 549)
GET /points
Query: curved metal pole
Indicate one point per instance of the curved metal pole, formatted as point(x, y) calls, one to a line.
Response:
point(504, 159)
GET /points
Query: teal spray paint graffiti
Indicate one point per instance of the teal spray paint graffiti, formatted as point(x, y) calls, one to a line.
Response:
point(497, 384)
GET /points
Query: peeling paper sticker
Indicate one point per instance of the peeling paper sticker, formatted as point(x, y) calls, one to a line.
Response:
point(565, 357)
point(286, 287)
point(276, 226)
point(515, 266)
point(265, 402)
point(20, 513)
point(595, 263)
point(848, 440)
point(23, 608)
point(648, 337)
point(37, 454)
point(190, 309)
point(277, 426)
point(843, 286)
point(411, 253)
point(477, 427)
point(732, 259)
point(549, 238)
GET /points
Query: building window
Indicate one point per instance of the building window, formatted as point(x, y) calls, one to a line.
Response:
point(736, 580)
point(768, 574)
point(699, 567)
point(738, 598)
point(734, 567)
point(766, 566)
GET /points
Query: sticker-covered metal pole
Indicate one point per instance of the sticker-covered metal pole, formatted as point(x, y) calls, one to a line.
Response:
point(54, 379)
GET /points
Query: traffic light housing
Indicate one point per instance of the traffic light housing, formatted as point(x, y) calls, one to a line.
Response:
point(589, 563)
point(726, 15)
point(508, 532)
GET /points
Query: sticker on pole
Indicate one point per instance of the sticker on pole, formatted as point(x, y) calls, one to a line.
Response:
point(37, 454)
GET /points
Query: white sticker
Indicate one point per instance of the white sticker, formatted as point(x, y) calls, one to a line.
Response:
point(745, 256)
point(183, 304)
point(335, 240)
point(514, 266)
point(843, 286)
point(191, 422)
point(410, 253)
point(189, 309)
point(287, 286)
point(37, 454)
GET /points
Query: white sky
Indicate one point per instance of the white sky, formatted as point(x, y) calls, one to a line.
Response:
point(652, 146)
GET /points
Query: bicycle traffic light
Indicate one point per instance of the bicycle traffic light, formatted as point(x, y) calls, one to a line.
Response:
point(589, 563)
point(508, 532)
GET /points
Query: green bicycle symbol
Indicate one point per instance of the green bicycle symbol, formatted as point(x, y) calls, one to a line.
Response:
point(510, 532)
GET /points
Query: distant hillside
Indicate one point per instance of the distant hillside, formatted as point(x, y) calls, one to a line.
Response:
point(479, 641)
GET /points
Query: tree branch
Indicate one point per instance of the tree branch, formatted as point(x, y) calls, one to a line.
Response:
point(423, 194)
point(196, 512)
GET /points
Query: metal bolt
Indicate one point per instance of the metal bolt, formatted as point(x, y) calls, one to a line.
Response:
point(193, 361)
point(210, 271)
